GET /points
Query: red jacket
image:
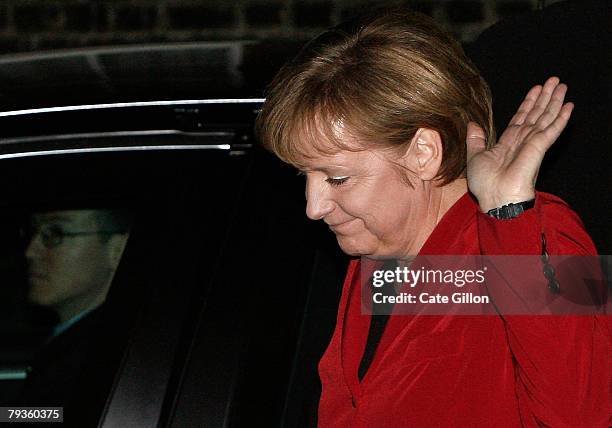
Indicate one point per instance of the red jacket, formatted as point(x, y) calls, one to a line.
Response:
point(474, 371)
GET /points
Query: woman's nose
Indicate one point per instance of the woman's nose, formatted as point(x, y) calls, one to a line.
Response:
point(318, 202)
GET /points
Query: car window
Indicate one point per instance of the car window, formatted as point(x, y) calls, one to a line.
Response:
point(222, 294)
point(88, 241)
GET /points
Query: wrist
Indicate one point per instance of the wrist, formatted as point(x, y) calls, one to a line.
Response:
point(487, 204)
point(511, 210)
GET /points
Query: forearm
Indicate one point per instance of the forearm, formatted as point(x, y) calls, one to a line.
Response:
point(561, 359)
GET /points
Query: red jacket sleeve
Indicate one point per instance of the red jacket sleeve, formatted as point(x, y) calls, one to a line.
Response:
point(562, 362)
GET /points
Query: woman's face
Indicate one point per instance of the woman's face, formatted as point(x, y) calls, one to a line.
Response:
point(367, 204)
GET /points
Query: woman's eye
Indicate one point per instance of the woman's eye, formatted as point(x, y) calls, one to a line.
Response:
point(336, 181)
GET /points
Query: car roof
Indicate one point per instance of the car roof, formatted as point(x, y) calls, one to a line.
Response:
point(139, 73)
point(105, 98)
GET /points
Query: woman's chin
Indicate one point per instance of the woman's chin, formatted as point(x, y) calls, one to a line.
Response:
point(353, 247)
point(371, 250)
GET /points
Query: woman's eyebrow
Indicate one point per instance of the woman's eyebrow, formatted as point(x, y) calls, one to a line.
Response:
point(327, 169)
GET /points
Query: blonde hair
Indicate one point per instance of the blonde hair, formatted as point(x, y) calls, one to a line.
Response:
point(377, 80)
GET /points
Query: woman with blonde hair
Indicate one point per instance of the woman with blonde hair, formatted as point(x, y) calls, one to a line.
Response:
point(392, 126)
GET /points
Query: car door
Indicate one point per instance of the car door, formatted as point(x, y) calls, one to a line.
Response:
point(224, 297)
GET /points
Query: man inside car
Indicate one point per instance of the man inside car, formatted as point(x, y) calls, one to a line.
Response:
point(71, 258)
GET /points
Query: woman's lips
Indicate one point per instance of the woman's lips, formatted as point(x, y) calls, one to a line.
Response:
point(341, 227)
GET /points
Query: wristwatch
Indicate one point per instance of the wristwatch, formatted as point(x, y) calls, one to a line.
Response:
point(512, 210)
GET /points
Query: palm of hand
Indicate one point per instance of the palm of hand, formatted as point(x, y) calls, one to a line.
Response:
point(507, 171)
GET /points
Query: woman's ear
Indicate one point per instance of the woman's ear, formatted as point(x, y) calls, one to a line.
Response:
point(424, 156)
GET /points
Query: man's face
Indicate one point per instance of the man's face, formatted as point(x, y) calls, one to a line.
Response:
point(75, 269)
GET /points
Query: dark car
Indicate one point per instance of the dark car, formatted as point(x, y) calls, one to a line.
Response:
point(225, 295)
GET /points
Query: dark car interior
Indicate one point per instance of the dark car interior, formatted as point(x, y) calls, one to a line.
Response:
point(223, 301)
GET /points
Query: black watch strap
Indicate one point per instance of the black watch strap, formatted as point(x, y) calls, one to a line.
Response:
point(513, 210)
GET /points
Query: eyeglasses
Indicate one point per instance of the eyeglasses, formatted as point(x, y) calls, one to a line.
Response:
point(53, 236)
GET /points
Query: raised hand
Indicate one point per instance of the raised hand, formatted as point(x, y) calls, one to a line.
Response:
point(507, 171)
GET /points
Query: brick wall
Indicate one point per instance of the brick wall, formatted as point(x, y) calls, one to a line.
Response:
point(27, 25)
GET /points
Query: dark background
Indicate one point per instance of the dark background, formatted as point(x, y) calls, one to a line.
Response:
point(27, 25)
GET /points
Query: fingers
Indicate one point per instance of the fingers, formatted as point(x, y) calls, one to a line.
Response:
point(475, 140)
point(539, 109)
point(531, 154)
point(542, 101)
point(553, 108)
point(514, 130)
point(526, 106)
point(553, 131)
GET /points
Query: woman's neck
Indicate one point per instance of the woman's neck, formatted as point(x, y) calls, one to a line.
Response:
point(441, 200)
point(451, 193)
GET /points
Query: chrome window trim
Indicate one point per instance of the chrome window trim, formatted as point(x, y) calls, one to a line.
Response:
point(13, 373)
point(115, 149)
point(86, 135)
point(131, 104)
